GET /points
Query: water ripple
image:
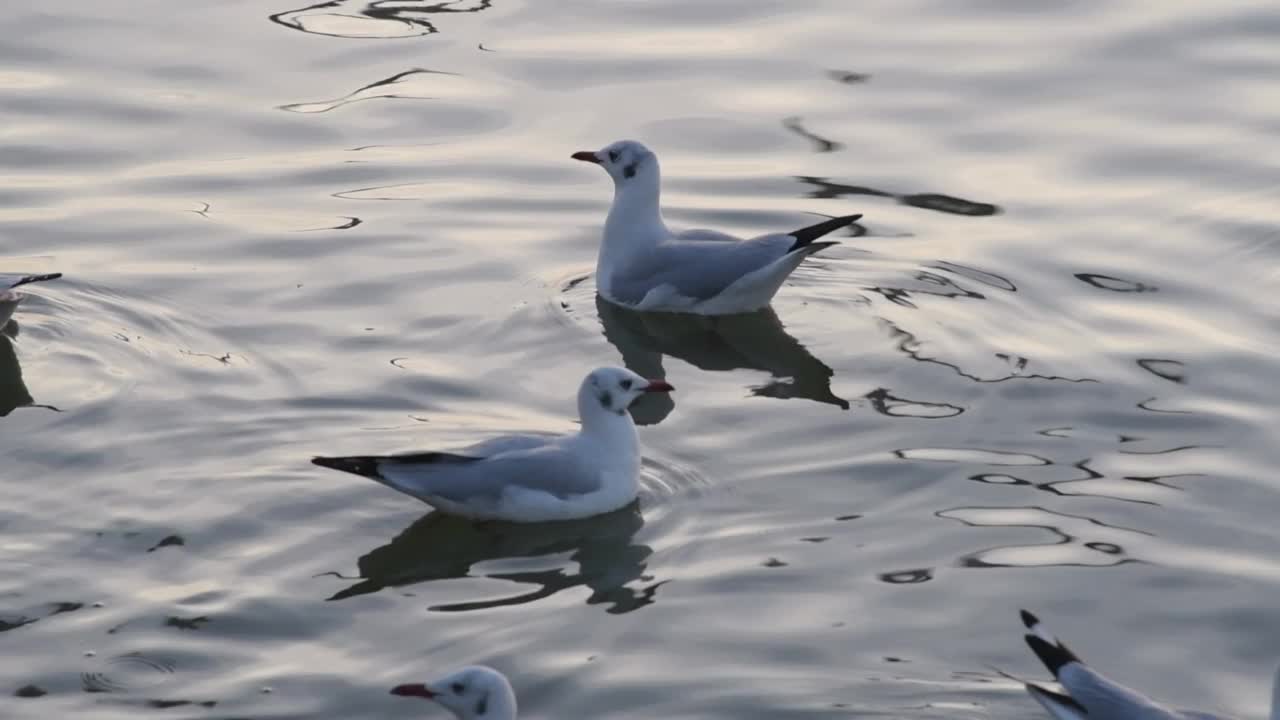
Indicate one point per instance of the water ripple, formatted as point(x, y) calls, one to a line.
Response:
point(374, 18)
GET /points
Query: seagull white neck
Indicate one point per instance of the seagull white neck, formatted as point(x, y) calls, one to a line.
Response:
point(635, 219)
point(636, 203)
point(613, 434)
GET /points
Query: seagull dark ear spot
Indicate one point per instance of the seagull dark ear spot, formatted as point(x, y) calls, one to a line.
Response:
point(606, 399)
point(482, 706)
point(629, 171)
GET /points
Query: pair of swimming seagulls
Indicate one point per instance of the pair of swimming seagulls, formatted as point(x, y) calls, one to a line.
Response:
point(642, 265)
point(482, 693)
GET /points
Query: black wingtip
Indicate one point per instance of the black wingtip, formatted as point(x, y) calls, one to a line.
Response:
point(357, 465)
point(1029, 620)
point(1053, 656)
point(36, 278)
point(805, 236)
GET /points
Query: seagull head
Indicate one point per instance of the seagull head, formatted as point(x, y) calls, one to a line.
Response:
point(627, 162)
point(615, 388)
point(472, 693)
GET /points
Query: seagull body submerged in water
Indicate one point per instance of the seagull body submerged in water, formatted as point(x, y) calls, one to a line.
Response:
point(1091, 696)
point(530, 478)
point(645, 266)
point(9, 298)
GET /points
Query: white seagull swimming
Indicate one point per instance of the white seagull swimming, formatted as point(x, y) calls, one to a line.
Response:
point(530, 478)
point(645, 266)
point(1091, 696)
point(472, 693)
point(9, 298)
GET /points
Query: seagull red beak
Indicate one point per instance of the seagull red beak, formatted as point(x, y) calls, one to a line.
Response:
point(413, 690)
point(586, 156)
point(658, 386)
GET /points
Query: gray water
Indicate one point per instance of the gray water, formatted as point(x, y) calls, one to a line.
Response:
point(1038, 374)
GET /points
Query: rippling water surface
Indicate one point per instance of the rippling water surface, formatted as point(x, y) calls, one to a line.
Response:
point(1039, 373)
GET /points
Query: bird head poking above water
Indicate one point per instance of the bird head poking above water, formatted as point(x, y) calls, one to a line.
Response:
point(472, 693)
point(613, 389)
point(627, 162)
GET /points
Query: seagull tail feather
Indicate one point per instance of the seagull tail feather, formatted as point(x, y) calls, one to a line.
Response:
point(806, 235)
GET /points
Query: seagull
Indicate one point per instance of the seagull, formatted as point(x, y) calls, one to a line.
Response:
point(9, 298)
point(1091, 696)
point(530, 478)
point(472, 693)
point(645, 266)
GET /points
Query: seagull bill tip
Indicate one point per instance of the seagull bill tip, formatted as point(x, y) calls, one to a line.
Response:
point(659, 386)
point(586, 156)
point(413, 690)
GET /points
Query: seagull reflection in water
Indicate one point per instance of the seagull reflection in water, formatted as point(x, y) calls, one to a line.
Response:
point(13, 391)
point(747, 341)
point(438, 546)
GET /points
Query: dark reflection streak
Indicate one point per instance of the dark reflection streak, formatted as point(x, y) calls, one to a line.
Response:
point(1054, 488)
point(336, 574)
point(1180, 448)
point(820, 144)
point(482, 47)
point(224, 358)
point(908, 344)
point(351, 222)
point(900, 296)
point(374, 147)
point(848, 78)
point(982, 276)
point(352, 194)
point(551, 582)
point(1019, 364)
point(1052, 432)
point(1161, 480)
point(438, 546)
point(1089, 474)
point(974, 559)
point(907, 577)
point(356, 95)
point(885, 403)
point(1171, 370)
point(399, 11)
point(826, 189)
point(1144, 405)
point(1114, 284)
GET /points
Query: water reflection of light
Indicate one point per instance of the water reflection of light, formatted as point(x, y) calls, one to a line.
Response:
point(1078, 540)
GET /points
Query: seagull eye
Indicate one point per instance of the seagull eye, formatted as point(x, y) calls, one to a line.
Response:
point(613, 156)
point(626, 384)
point(457, 688)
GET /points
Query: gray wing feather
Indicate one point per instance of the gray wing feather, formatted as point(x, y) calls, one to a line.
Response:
point(505, 444)
point(549, 469)
point(703, 234)
point(1104, 699)
point(699, 269)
